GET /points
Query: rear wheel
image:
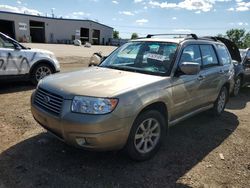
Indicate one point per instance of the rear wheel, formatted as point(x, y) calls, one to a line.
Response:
point(146, 136)
point(39, 72)
point(221, 101)
point(237, 86)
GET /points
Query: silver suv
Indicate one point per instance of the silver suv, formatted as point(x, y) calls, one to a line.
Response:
point(130, 100)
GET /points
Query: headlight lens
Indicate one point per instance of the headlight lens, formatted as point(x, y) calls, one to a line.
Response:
point(92, 105)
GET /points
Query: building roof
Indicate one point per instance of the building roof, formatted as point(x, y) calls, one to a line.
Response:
point(63, 19)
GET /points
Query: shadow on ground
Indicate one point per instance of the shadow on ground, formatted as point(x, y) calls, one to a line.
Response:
point(239, 102)
point(16, 86)
point(43, 161)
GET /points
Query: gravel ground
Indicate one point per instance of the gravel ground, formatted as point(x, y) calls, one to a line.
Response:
point(202, 151)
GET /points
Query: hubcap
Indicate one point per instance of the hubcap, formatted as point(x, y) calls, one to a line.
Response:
point(221, 101)
point(147, 135)
point(41, 72)
point(237, 86)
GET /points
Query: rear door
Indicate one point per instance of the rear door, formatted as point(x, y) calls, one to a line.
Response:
point(213, 73)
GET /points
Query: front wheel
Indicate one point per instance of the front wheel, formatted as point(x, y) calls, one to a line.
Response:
point(146, 135)
point(39, 72)
point(221, 101)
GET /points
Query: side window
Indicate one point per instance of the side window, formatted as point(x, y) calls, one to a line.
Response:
point(191, 53)
point(224, 56)
point(5, 43)
point(208, 56)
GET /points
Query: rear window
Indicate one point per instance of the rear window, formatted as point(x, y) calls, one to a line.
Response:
point(224, 56)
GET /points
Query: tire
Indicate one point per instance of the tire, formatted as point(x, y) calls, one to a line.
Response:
point(148, 141)
point(220, 102)
point(40, 71)
point(237, 86)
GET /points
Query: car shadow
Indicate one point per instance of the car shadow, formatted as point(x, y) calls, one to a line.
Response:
point(16, 86)
point(43, 161)
point(239, 102)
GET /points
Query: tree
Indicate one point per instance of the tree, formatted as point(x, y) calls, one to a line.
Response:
point(237, 36)
point(134, 36)
point(116, 34)
point(246, 40)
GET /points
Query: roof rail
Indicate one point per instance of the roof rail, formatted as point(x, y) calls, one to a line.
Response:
point(209, 38)
point(194, 36)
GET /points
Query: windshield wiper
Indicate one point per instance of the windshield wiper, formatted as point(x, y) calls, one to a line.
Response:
point(120, 68)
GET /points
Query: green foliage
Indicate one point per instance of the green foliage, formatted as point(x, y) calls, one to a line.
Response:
point(246, 40)
point(116, 34)
point(134, 36)
point(239, 36)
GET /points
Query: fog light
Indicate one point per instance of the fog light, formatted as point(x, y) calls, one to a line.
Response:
point(81, 141)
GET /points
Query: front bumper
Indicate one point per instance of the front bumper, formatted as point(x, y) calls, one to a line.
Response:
point(101, 132)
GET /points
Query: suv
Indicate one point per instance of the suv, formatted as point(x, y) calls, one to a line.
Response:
point(18, 61)
point(135, 94)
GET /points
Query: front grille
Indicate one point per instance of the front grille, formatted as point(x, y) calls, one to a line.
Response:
point(48, 101)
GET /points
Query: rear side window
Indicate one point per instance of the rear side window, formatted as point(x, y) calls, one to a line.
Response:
point(209, 57)
point(191, 53)
point(224, 56)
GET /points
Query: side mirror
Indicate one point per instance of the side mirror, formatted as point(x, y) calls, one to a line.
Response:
point(235, 62)
point(96, 59)
point(190, 68)
point(17, 46)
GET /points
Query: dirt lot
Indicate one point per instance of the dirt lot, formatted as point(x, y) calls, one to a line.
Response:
point(31, 157)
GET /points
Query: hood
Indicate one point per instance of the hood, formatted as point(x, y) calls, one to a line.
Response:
point(41, 51)
point(232, 48)
point(96, 82)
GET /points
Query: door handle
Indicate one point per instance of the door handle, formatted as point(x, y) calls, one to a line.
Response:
point(200, 77)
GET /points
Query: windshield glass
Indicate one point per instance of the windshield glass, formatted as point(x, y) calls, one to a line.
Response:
point(145, 57)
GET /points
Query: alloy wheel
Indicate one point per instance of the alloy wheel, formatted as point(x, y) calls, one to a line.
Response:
point(147, 135)
point(41, 72)
point(221, 101)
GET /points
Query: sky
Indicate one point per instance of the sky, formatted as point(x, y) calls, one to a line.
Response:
point(202, 17)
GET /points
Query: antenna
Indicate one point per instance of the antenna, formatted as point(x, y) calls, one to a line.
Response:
point(52, 12)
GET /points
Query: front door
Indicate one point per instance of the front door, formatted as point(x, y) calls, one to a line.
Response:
point(187, 89)
point(12, 60)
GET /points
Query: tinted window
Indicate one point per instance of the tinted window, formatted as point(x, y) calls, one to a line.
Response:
point(208, 56)
point(191, 53)
point(224, 56)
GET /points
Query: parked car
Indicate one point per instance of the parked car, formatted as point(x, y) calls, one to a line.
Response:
point(242, 71)
point(246, 66)
point(18, 61)
point(130, 99)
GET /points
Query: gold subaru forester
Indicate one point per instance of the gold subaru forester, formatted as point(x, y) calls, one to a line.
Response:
point(135, 94)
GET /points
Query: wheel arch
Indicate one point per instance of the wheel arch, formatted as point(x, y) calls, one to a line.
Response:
point(158, 106)
point(44, 61)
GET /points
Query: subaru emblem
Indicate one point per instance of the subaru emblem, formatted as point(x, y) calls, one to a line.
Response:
point(46, 99)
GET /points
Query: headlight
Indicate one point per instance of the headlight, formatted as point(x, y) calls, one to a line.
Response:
point(93, 105)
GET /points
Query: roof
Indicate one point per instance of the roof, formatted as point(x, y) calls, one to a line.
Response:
point(63, 19)
point(172, 40)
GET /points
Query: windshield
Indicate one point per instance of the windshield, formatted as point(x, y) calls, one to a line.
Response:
point(145, 57)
